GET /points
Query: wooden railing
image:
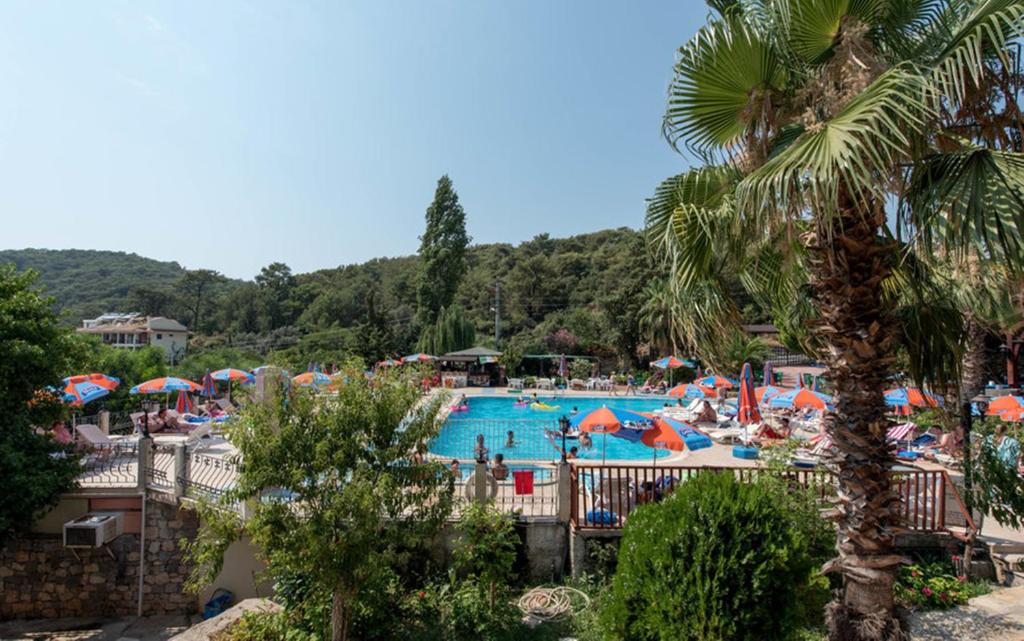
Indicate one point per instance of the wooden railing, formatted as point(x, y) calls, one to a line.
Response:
point(603, 497)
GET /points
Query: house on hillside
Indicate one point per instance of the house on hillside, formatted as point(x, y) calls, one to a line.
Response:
point(132, 331)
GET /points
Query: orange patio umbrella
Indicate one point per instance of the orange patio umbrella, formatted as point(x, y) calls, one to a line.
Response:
point(662, 437)
point(1005, 403)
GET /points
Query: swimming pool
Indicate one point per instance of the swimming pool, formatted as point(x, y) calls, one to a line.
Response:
point(495, 416)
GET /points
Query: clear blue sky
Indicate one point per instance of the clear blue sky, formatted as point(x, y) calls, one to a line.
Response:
point(232, 134)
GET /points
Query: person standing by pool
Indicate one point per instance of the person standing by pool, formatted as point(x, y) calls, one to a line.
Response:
point(630, 385)
point(510, 442)
point(499, 471)
point(480, 451)
point(454, 469)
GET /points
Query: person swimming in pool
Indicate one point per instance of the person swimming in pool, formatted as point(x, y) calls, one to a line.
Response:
point(585, 441)
point(575, 411)
point(511, 440)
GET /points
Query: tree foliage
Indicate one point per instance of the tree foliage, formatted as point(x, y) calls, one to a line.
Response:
point(355, 501)
point(35, 353)
point(451, 332)
point(443, 252)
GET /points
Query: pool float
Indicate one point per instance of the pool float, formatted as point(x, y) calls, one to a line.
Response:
point(544, 407)
point(521, 404)
point(460, 408)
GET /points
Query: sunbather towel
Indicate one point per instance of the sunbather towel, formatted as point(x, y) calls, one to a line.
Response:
point(900, 432)
point(523, 480)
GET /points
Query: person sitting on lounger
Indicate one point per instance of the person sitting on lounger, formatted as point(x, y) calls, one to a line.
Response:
point(707, 414)
point(59, 433)
point(164, 422)
point(213, 410)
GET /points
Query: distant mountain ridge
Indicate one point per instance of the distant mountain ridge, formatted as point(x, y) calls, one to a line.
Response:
point(87, 282)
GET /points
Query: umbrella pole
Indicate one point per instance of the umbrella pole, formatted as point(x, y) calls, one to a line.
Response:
point(604, 446)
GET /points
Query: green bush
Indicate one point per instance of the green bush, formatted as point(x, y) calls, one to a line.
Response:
point(267, 626)
point(717, 560)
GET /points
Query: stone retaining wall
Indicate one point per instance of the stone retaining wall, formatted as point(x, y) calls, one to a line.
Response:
point(39, 577)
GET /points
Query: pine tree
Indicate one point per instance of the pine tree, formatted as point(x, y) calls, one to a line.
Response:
point(443, 249)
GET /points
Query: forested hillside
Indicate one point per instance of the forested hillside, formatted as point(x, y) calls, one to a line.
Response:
point(582, 294)
point(87, 283)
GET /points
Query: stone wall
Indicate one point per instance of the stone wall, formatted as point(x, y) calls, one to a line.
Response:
point(39, 577)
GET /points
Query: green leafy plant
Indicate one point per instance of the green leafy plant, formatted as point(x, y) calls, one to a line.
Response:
point(932, 586)
point(486, 548)
point(580, 368)
point(358, 501)
point(718, 559)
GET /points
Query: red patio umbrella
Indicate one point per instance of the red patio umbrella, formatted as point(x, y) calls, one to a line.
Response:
point(748, 412)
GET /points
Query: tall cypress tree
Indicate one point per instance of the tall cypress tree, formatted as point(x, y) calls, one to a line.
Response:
point(443, 250)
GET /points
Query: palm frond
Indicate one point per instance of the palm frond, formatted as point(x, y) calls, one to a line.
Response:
point(853, 151)
point(812, 28)
point(723, 85)
point(980, 35)
point(688, 215)
point(969, 200)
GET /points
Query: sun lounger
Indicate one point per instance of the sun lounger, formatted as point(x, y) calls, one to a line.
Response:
point(226, 406)
point(726, 431)
point(94, 437)
point(515, 383)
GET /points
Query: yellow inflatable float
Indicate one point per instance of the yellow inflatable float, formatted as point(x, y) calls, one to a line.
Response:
point(544, 407)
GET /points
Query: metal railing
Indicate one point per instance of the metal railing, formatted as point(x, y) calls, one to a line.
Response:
point(603, 497)
point(206, 475)
point(115, 466)
point(539, 499)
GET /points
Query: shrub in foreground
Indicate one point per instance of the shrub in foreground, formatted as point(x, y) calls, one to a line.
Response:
point(717, 560)
point(932, 586)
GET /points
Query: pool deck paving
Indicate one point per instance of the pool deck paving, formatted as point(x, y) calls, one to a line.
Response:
point(997, 616)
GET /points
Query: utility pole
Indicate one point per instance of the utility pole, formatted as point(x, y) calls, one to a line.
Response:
point(497, 314)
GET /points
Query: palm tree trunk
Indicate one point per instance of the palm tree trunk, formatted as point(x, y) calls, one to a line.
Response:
point(849, 262)
point(972, 376)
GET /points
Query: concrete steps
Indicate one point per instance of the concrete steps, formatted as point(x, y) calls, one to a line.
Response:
point(1007, 557)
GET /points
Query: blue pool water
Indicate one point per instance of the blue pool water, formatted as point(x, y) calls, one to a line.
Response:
point(494, 416)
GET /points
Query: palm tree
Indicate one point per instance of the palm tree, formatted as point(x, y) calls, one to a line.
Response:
point(816, 121)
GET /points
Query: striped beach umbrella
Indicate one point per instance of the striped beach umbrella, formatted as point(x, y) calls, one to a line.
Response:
point(184, 405)
point(82, 393)
point(209, 389)
point(103, 380)
point(691, 391)
point(165, 385)
point(765, 392)
point(418, 358)
point(312, 379)
point(717, 382)
point(231, 374)
point(801, 398)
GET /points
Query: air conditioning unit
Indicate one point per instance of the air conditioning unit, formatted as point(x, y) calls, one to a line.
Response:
point(93, 530)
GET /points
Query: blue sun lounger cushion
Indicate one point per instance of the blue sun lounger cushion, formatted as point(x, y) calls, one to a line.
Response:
point(744, 452)
point(601, 517)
